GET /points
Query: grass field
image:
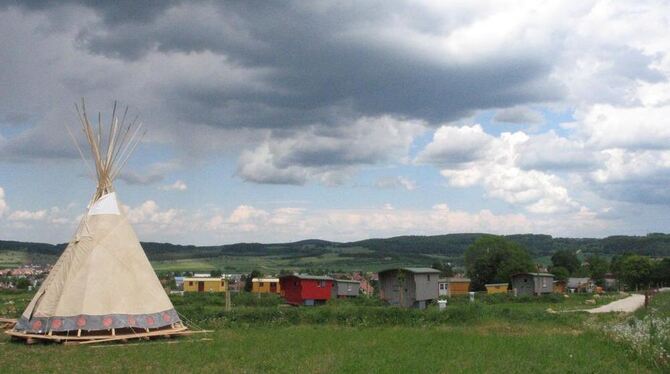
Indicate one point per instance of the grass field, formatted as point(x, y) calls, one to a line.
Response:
point(328, 349)
point(341, 259)
point(259, 336)
point(13, 258)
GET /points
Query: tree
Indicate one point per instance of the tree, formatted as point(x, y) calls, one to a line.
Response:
point(566, 259)
point(250, 277)
point(660, 273)
point(494, 259)
point(22, 284)
point(215, 273)
point(635, 271)
point(597, 267)
point(560, 273)
point(444, 267)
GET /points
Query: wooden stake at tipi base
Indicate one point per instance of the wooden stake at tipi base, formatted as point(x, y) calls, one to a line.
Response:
point(95, 337)
point(102, 288)
point(7, 323)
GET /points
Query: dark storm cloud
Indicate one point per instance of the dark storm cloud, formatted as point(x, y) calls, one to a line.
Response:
point(325, 61)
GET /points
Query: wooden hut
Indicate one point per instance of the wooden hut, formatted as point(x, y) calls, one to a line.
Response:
point(408, 287)
point(265, 285)
point(458, 286)
point(559, 286)
point(205, 285)
point(345, 288)
point(528, 284)
point(303, 289)
point(578, 285)
point(493, 288)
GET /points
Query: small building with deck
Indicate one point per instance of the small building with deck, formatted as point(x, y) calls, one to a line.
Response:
point(454, 286)
point(409, 287)
point(265, 285)
point(493, 288)
point(529, 284)
point(205, 285)
point(345, 288)
point(578, 285)
point(304, 289)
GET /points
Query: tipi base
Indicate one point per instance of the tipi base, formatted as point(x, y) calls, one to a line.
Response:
point(7, 323)
point(93, 337)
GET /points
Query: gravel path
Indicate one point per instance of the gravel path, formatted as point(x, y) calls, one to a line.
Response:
point(627, 305)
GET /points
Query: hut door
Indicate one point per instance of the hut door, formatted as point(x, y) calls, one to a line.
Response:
point(201, 286)
point(273, 287)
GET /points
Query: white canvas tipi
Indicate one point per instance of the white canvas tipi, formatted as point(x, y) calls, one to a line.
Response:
point(103, 281)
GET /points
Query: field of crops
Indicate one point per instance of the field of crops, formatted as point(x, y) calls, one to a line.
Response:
point(261, 335)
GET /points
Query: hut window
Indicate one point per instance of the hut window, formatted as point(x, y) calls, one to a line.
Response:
point(322, 283)
point(260, 284)
point(190, 283)
point(223, 283)
point(428, 277)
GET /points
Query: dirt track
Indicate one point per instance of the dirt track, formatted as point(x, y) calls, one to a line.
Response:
point(627, 305)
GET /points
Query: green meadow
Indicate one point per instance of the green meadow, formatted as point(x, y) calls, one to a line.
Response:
point(494, 334)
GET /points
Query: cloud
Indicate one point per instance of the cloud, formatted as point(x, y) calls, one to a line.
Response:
point(467, 156)
point(395, 182)
point(25, 215)
point(328, 155)
point(149, 217)
point(155, 173)
point(519, 115)
point(456, 145)
point(3, 203)
point(178, 185)
point(549, 151)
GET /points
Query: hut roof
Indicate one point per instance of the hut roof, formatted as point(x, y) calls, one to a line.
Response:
point(265, 280)
point(308, 276)
point(457, 280)
point(415, 270)
point(534, 274)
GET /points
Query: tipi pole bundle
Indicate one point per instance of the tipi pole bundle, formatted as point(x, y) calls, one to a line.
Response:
point(103, 285)
point(110, 152)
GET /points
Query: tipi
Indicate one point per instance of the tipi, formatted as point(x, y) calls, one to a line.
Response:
point(103, 284)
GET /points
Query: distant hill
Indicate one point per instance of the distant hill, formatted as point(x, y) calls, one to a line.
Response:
point(373, 252)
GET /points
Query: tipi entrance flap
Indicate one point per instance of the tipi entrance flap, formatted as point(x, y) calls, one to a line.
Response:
point(106, 204)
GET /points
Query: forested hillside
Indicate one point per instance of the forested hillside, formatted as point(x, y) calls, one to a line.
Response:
point(451, 246)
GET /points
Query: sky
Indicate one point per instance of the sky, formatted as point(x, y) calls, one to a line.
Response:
point(282, 121)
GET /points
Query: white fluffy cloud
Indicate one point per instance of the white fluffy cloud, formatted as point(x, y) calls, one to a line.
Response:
point(395, 182)
point(178, 185)
point(329, 155)
point(25, 215)
point(3, 203)
point(467, 156)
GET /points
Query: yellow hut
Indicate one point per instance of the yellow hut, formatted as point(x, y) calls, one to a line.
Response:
point(496, 288)
point(265, 285)
point(458, 286)
point(205, 285)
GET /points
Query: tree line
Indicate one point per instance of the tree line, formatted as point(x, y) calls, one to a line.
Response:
point(494, 259)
